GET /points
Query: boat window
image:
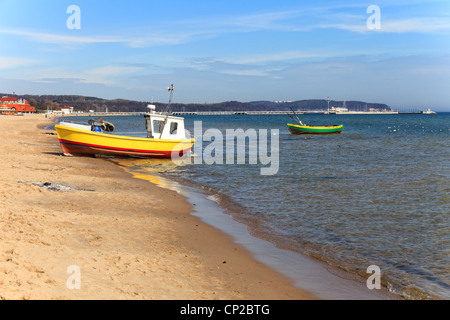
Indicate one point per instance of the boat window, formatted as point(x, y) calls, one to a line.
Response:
point(173, 128)
point(158, 126)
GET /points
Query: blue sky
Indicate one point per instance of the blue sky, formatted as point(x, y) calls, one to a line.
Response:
point(214, 51)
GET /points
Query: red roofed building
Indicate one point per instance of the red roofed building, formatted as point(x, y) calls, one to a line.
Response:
point(12, 105)
point(66, 110)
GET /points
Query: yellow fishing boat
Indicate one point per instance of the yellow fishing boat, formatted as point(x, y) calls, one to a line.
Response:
point(76, 140)
point(166, 137)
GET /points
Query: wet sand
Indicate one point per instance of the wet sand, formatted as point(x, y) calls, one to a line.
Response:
point(128, 238)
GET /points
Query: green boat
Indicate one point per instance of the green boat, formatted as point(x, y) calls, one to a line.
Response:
point(302, 129)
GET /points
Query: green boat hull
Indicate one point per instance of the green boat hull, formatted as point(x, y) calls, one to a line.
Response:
point(298, 129)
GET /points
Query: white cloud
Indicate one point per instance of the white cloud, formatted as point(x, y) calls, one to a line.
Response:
point(59, 39)
point(113, 70)
point(413, 25)
point(14, 62)
point(108, 75)
point(274, 57)
point(249, 72)
point(69, 40)
point(420, 25)
point(184, 31)
point(261, 21)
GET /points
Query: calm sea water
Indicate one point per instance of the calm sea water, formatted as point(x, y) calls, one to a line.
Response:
point(376, 194)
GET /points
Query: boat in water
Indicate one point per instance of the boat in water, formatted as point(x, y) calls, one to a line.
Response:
point(166, 138)
point(302, 129)
point(428, 111)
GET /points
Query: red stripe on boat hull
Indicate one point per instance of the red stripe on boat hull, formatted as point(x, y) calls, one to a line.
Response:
point(79, 149)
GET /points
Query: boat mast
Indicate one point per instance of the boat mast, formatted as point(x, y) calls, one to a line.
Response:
point(328, 100)
point(167, 111)
point(170, 89)
point(296, 117)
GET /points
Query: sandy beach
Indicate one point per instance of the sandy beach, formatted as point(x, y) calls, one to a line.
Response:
point(128, 238)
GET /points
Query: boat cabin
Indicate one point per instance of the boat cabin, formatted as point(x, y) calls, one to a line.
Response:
point(161, 126)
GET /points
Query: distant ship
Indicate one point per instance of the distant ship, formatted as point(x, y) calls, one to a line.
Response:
point(428, 111)
point(11, 105)
point(343, 110)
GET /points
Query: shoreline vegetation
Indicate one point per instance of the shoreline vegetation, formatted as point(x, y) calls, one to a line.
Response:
point(128, 238)
point(84, 104)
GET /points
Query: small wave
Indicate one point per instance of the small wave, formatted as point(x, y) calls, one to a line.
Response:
point(214, 198)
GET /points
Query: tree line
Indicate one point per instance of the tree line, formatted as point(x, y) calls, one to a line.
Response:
point(43, 103)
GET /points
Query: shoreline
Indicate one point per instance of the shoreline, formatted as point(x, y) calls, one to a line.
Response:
point(126, 238)
point(320, 279)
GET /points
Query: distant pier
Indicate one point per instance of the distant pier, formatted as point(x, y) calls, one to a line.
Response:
point(203, 113)
point(182, 113)
point(97, 114)
point(410, 112)
point(273, 112)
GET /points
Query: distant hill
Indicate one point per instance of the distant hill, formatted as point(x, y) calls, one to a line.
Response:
point(83, 103)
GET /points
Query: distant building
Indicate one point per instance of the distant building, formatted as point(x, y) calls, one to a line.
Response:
point(10, 105)
point(66, 110)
